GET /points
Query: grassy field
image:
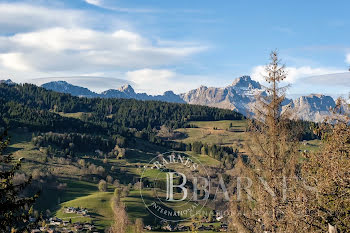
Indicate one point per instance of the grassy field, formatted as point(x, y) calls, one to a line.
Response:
point(99, 206)
point(84, 192)
point(228, 133)
point(312, 145)
point(76, 115)
point(217, 132)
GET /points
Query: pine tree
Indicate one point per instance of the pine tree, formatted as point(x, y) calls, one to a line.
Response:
point(271, 166)
point(13, 213)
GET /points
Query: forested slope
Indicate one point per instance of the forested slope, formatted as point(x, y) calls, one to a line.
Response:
point(29, 104)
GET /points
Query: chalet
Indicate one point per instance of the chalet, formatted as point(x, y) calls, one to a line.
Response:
point(183, 228)
point(65, 223)
point(55, 221)
point(69, 210)
point(169, 227)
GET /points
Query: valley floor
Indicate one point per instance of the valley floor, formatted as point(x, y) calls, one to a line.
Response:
point(74, 188)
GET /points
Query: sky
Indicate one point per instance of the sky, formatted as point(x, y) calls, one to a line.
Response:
point(159, 45)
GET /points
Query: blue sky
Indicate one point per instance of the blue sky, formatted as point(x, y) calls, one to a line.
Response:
point(158, 45)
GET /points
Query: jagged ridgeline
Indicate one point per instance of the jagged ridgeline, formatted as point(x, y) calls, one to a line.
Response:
point(41, 109)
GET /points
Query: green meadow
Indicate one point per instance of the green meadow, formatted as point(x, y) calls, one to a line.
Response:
point(81, 191)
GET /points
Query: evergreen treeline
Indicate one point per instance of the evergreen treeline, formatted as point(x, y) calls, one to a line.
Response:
point(225, 154)
point(20, 105)
point(302, 130)
point(110, 113)
point(14, 114)
point(73, 142)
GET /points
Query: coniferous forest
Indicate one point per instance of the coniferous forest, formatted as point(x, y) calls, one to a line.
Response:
point(174, 116)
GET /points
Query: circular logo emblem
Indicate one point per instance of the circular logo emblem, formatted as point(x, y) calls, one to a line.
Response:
point(176, 186)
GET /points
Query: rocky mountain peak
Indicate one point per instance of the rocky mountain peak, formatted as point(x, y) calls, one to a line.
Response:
point(245, 82)
point(127, 89)
point(316, 96)
point(239, 96)
point(314, 107)
point(169, 93)
point(8, 82)
point(126, 92)
point(202, 87)
point(318, 102)
point(64, 87)
point(61, 82)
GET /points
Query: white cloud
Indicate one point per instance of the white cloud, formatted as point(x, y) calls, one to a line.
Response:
point(17, 17)
point(306, 80)
point(294, 73)
point(74, 49)
point(157, 81)
point(110, 5)
point(144, 76)
point(97, 83)
point(94, 2)
point(24, 17)
point(46, 41)
point(334, 80)
point(14, 61)
point(348, 58)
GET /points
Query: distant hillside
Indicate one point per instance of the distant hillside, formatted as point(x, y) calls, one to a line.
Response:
point(8, 82)
point(239, 96)
point(28, 104)
point(125, 92)
point(64, 87)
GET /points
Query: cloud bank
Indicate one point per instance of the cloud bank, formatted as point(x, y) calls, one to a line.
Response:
point(295, 74)
point(41, 41)
point(306, 80)
point(157, 81)
point(348, 58)
point(64, 49)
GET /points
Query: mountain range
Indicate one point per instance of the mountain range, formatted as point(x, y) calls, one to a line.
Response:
point(239, 96)
point(125, 91)
point(7, 81)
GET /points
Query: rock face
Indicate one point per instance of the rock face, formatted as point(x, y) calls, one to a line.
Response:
point(64, 87)
point(314, 107)
point(169, 96)
point(8, 82)
point(126, 92)
point(239, 96)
